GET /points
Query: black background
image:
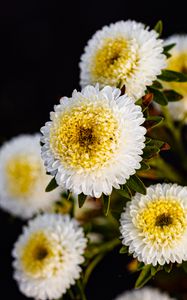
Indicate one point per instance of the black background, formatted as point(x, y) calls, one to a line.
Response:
point(40, 46)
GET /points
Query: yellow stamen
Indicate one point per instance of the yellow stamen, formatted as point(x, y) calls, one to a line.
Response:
point(85, 137)
point(162, 221)
point(37, 254)
point(22, 174)
point(114, 61)
point(178, 62)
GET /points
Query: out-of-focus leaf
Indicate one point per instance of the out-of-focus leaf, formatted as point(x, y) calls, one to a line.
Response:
point(106, 203)
point(52, 185)
point(158, 96)
point(159, 27)
point(123, 250)
point(172, 95)
point(136, 184)
point(125, 191)
point(168, 75)
point(81, 199)
point(144, 276)
point(150, 151)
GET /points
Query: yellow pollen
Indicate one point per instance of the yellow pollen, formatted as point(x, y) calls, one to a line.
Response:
point(162, 221)
point(114, 61)
point(22, 173)
point(178, 63)
point(85, 137)
point(37, 254)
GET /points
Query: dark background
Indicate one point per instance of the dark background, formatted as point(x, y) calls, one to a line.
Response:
point(40, 46)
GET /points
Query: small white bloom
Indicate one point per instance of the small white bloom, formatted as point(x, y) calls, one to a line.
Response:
point(47, 256)
point(23, 177)
point(154, 226)
point(178, 62)
point(93, 141)
point(146, 293)
point(123, 53)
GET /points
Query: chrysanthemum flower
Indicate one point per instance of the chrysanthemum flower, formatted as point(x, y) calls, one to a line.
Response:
point(146, 293)
point(47, 256)
point(94, 141)
point(178, 62)
point(23, 177)
point(154, 226)
point(124, 53)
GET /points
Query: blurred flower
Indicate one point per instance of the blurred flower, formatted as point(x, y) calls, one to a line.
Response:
point(124, 53)
point(94, 141)
point(154, 226)
point(23, 178)
point(178, 62)
point(146, 293)
point(47, 256)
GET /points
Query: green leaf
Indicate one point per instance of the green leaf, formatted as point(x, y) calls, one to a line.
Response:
point(172, 95)
point(168, 75)
point(123, 250)
point(144, 277)
point(156, 143)
point(106, 203)
point(139, 102)
point(150, 151)
point(147, 140)
point(158, 96)
point(167, 54)
point(154, 121)
point(51, 185)
point(81, 199)
point(136, 184)
point(159, 27)
point(140, 266)
point(168, 267)
point(167, 48)
point(153, 271)
point(144, 166)
point(157, 85)
point(125, 192)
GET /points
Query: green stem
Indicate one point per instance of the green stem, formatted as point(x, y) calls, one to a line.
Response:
point(91, 267)
point(81, 290)
point(106, 247)
point(165, 170)
point(99, 253)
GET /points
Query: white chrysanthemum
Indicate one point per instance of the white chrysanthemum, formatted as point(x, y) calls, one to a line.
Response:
point(94, 141)
point(178, 62)
point(124, 53)
point(47, 256)
point(154, 226)
point(146, 293)
point(23, 177)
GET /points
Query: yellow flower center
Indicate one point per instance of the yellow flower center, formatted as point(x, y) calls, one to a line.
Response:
point(114, 61)
point(38, 256)
point(162, 221)
point(85, 137)
point(22, 173)
point(178, 63)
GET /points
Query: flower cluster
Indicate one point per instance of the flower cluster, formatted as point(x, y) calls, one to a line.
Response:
point(101, 146)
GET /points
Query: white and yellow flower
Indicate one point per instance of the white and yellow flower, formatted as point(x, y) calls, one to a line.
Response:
point(154, 226)
point(47, 256)
point(178, 62)
point(124, 53)
point(23, 177)
point(146, 293)
point(94, 141)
